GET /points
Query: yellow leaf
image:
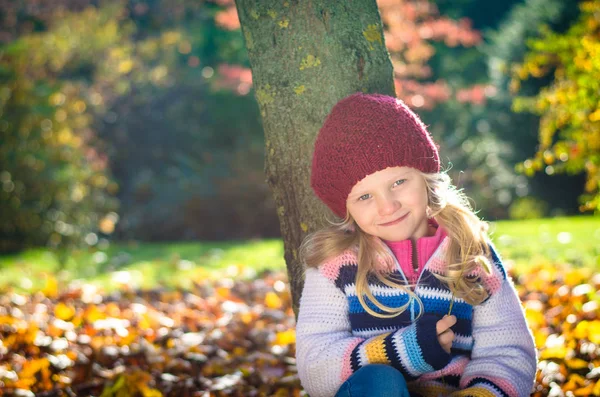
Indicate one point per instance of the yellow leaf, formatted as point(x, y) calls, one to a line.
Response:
point(92, 314)
point(112, 309)
point(7, 320)
point(574, 383)
point(581, 330)
point(51, 288)
point(559, 352)
point(144, 322)
point(149, 392)
point(247, 317)
point(272, 301)
point(595, 116)
point(285, 337)
point(588, 330)
point(30, 368)
point(540, 337)
point(594, 332)
point(574, 277)
point(129, 339)
point(535, 318)
point(596, 390)
point(222, 292)
point(63, 312)
point(585, 391)
point(576, 363)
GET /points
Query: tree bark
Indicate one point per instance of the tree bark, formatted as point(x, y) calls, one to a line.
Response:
point(305, 56)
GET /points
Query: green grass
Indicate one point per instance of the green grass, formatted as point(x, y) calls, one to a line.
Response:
point(567, 240)
point(144, 265)
point(571, 240)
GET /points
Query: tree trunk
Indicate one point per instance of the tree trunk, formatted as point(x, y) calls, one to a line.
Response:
point(305, 56)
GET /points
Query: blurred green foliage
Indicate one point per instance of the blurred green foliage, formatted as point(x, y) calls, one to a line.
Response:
point(481, 141)
point(135, 92)
point(477, 159)
point(55, 184)
point(569, 132)
point(506, 46)
point(528, 208)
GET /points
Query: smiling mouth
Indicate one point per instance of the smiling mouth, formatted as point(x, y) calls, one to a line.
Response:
point(392, 223)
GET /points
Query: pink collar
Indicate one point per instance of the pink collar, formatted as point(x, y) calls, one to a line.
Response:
point(426, 246)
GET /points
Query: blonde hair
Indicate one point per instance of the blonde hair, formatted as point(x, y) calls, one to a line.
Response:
point(468, 249)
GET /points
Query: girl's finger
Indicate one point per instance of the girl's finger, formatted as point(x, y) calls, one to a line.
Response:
point(446, 338)
point(445, 323)
point(446, 347)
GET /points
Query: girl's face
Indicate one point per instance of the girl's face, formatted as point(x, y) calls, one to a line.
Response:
point(391, 204)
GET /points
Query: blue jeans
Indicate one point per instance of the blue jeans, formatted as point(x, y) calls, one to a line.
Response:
point(375, 380)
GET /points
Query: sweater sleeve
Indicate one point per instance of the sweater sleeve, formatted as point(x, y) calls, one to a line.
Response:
point(504, 357)
point(328, 353)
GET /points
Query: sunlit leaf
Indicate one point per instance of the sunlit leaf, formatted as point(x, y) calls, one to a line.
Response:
point(272, 300)
point(576, 363)
point(285, 337)
point(64, 312)
point(553, 353)
point(51, 288)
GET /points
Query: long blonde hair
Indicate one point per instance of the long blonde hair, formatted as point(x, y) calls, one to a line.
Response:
point(468, 249)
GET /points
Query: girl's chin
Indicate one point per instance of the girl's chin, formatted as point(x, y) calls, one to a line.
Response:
point(393, 237)
point(400, 236)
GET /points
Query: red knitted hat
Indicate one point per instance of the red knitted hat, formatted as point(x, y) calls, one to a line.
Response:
point(363, 134)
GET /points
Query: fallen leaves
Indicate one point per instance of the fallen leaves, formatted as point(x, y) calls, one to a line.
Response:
point(237, 338)
point(219, 338)
point(561, 306)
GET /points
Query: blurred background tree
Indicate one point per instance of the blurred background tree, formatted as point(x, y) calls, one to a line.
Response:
point(57, 189)
point(569, 130)
point(180, 137)
point(505, 46)
point(136, 119)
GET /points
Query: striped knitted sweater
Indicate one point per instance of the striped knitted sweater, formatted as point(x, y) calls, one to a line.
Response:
point(493, 353)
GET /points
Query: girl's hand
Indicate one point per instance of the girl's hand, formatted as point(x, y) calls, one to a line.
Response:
point(444, 333)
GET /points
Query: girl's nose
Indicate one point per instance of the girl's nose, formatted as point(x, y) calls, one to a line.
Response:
point(387, 206)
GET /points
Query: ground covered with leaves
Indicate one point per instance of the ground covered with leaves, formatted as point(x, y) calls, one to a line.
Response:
point(227, 337)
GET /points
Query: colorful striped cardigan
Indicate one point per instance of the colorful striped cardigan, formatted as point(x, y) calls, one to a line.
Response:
point(493, 353)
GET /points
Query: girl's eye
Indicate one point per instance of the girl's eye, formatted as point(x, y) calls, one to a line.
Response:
point(399, 182)
point(364, 197)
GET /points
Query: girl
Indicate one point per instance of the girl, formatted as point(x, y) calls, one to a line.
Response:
point(405, 294)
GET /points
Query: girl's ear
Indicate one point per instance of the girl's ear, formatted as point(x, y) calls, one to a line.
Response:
point(428, 212)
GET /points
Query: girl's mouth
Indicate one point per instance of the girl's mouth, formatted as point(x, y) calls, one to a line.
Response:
point(397, 221)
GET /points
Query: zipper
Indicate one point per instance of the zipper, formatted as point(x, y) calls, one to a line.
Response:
point(414, 258)
point(417, 283)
